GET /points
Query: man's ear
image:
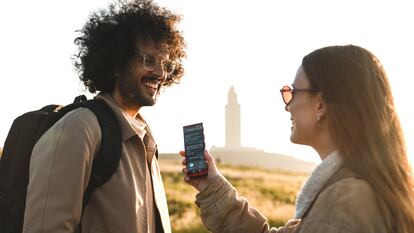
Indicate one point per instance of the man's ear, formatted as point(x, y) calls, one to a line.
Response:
point(320, 107)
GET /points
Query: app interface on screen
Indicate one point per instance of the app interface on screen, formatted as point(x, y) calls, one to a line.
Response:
point(194, 147)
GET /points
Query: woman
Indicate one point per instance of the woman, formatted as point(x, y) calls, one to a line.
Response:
point(341, 105)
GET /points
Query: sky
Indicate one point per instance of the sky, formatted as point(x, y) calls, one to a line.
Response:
point(255, 46)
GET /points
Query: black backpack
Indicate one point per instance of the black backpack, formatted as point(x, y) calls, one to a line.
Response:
point(23, 135)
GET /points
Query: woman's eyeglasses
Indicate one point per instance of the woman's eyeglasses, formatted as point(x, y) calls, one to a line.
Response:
point(288, 93)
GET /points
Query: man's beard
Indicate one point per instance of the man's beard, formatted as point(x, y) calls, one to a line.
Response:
point(133, 95)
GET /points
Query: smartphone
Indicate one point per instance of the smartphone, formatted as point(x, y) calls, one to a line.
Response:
point(194, 150)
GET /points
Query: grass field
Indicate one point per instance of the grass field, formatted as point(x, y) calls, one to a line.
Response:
point(273, 193)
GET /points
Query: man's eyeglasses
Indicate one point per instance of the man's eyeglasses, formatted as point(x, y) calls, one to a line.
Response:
point(288, 93)
point(150, 62)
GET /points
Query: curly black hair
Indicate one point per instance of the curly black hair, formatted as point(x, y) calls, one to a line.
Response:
point(108, 40)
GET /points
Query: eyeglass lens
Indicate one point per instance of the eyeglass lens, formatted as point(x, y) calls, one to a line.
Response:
point(150, 62)
point(287, 94)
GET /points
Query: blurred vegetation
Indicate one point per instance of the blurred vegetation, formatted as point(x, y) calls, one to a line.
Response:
point(272, 192)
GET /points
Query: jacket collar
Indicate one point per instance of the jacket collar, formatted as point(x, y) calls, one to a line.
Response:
point(126, 128)
point(315, 183)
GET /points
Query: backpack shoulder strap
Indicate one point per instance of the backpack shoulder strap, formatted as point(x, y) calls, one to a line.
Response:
point(107, 158)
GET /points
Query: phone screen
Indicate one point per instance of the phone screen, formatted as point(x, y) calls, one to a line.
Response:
point(194, 150)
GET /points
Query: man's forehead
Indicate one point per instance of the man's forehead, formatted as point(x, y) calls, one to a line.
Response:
point(151, 46)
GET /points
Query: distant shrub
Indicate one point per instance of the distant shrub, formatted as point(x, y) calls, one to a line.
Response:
point(177, 207)
point(193, 229)
point(277, 195)
point(218, 161)
point(276, 222)
point(172, 177)
point(237, 181)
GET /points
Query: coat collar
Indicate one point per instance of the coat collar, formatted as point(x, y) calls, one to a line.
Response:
point(315, 183)
point(126, 128)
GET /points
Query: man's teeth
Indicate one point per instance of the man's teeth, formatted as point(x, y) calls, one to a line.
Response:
point(151, 85)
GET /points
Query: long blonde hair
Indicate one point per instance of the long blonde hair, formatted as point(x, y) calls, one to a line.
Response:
point(367, 130)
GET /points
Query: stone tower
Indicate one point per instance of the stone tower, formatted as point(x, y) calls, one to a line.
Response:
point(232, 121)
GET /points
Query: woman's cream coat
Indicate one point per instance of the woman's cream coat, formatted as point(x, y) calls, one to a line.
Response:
point(346, 204)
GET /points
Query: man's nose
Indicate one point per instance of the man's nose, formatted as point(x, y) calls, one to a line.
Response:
point(159, 70)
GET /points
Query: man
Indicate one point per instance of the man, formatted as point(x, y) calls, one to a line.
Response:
point(128, 53)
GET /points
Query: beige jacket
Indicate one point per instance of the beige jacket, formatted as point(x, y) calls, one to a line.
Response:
point(60, 168)
point(345, 204)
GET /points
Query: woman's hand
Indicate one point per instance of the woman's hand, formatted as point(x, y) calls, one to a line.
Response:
point(290, 226)
point(200, 183)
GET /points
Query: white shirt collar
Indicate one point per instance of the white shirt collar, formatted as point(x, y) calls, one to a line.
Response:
point(137, 124)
